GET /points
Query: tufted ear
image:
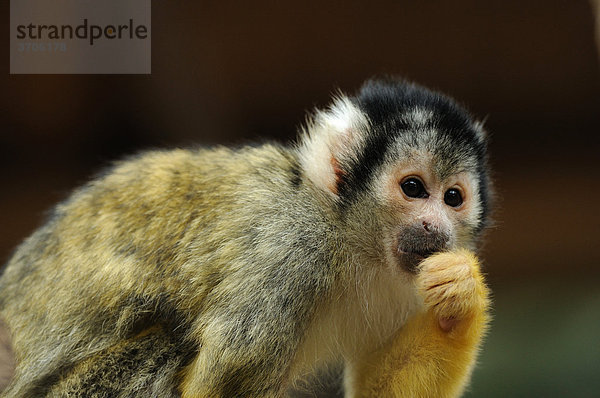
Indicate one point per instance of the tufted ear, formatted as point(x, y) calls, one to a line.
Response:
point(330, 142)
point(480, 131)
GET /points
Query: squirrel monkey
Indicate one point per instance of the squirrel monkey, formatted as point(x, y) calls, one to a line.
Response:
point(231, 272)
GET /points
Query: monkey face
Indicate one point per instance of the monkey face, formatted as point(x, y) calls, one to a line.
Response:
point(406, 170)
point(431, 211)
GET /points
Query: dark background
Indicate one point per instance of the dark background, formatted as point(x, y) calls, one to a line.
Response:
point(223, 72)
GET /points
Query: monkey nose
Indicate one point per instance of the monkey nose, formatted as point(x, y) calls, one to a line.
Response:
point(427, 226)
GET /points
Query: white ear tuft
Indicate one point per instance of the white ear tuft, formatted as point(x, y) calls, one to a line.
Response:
point(330, 141)
point(482, 135)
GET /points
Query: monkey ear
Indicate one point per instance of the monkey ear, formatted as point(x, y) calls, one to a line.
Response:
point(480, 131)
point(330, 143)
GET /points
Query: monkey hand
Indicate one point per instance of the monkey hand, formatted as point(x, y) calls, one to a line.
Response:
point(433, 354)
point(453, 289)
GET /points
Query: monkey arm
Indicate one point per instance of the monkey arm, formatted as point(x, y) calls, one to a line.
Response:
point(251, 331)
point(434, 353)
point(248, 355)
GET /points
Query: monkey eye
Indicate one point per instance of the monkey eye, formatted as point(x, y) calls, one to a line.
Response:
point(413, 188)
point(453, 198)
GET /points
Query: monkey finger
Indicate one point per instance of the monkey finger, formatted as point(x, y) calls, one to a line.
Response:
point(447, 324)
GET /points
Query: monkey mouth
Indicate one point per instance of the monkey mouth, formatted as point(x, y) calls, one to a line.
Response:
point(415, 244)
point(411, 258)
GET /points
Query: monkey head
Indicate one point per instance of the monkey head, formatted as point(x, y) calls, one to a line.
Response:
point(404, 167)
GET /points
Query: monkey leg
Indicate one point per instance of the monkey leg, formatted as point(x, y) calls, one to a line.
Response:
point(146, 365)
point(434, 353)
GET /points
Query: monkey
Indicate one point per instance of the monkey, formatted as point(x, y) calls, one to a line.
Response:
point(231, 272)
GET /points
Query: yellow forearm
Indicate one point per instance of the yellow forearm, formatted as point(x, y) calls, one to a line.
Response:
point(434, 353)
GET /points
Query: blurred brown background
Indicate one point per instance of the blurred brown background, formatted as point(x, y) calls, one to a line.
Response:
point(223, 72)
